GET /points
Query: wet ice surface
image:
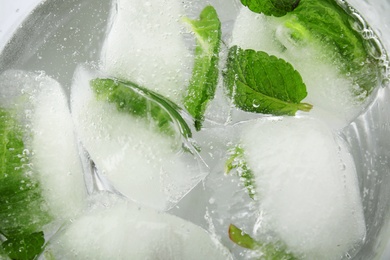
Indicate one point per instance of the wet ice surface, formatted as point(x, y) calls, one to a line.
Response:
point(117, 229)
point(40, 104)
point(306, 187)
point(330, 93)
point(146, 44)
point(139, 161)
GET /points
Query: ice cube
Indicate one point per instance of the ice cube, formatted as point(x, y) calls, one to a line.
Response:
point(306, 184)
point(145, 44)
point(40, 104)
point(121, 230)
point(330, 92)
point(142, 163)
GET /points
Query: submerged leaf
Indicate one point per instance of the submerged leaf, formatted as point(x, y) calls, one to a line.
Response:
point(260, 83)
point(269, 251)
point(205, 72)
point(141, 102)
point(271, 7)
point(20, 195)
point(237, 161)
point(242, 239)
point(21, 201)
point(24, 247)
point(332, 28)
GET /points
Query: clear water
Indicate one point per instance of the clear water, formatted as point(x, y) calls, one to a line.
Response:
point(59, 35)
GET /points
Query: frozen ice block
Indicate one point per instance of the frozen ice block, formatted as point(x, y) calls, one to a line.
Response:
point(306, 185)
point(145, 44)
point(41, 107)
point(332, 93)
point(120, 230)
point(142, 163)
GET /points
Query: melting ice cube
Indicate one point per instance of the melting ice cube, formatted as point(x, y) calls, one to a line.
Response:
point(117, 229)
point(41, 106)
point(142, 163)
point(306, 184)
point(145, 44)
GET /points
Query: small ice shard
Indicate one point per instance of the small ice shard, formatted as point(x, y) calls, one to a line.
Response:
point(39, 104)
point(306, 184)
point(117, 229)
point(145, 44)
point(141, 162)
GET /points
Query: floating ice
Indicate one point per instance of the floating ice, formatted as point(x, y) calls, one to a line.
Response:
point(142, 163)
point(145, 44)
point(330, 93)
point(306, 184)
point(120, 230)
point(41, 106)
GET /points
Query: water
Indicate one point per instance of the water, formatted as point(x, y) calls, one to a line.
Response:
point(59, 35)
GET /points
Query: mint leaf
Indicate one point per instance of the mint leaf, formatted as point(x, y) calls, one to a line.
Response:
point(324, 23)
point(141, 102)
point(237, 161)
point(242, 239)
point(22, 212)
point(205, 72)
point(24, 247)
point(270, 251)
point(260, 83)
point(276, 8)
point(20, 195)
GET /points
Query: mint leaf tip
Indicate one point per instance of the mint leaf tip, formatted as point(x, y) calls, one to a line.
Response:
point(240, 238)
point(305, 107)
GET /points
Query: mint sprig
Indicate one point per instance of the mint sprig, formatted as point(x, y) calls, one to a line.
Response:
point(237, 161)
point(260, 83)
point(204, 78)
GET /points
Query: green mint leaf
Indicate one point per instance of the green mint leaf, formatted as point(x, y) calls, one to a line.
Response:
point(276, 8)
point(205, 72)
point(141, 102)
point(270, 251)
point(24, 247)
point(237, 161)
point(21, 201)
point(260, 83)
point(242, 239)
point(326, 24)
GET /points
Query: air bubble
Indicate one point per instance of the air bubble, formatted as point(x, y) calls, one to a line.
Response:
point(359, 24)
point(255, 103)
point(374, 48)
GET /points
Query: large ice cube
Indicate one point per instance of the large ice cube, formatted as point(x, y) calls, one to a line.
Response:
point(116, 229)
point(331, 93)
point(142, 163)
point(40, 104)
point(145, 44)
point(306, 184)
